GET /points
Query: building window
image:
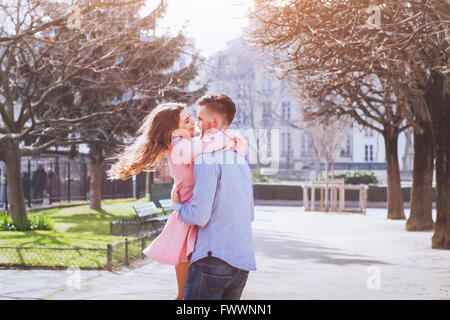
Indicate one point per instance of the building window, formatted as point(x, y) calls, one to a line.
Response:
point(286, 110)
point(242, 91)
point(346, 152)
point(269, 143)
point(242, 117)
point(245, 118)
point(286, 144)
point(305, 144)
point(266, 114)
point(267, 87)
point(282, 86)
point(368, 153)
point(348, 146)
point(368, 133)
point(223, 67)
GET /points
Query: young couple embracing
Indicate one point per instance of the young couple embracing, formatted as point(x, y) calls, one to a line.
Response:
point(208, 237)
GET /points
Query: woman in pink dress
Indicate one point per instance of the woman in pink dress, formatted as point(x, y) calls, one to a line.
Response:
point(169, 130)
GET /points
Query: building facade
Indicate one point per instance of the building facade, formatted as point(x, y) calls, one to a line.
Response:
point(269, 107)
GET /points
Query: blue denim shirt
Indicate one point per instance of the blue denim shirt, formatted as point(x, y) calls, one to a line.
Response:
point(223, 209)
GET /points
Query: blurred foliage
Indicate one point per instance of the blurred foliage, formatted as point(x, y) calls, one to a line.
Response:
point(34, 222)
point(357, 177)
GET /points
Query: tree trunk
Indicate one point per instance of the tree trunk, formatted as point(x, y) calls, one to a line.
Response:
point(438, 104)
point(327, 162)
point(16, 200)
point(147, 185)
point(420, 217)
point(316, 159)
point(441, 237)
point(332, 168)
point(95, 195)
point(394, 189)
point(408, 143)
point(258, 156)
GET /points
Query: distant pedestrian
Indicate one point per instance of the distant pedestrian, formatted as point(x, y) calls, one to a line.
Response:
point(39, 183)
point(53, 185)
point(26, 185)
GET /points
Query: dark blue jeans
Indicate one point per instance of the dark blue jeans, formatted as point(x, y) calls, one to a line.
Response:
point(211, 278)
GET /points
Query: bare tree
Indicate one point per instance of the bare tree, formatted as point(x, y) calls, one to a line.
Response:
point(407, 49)
point(241, 72)
point(408, 144)
point(328, 137)
point(49, 71)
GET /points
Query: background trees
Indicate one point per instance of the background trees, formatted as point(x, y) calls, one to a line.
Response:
point(64, 86)
point(325, 58)
point(382, 63)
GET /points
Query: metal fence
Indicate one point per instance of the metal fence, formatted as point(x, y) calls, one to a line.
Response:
point(123, 252)
point(134, 226)
point(61, 179)
point(114, 255)
point(54, 258)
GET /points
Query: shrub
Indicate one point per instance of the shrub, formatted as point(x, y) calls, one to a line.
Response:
point(40, 222)
point(257, 176)
point(35, 222)
point(358, 177)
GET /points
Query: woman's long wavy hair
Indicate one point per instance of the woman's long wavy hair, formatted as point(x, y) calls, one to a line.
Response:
point(150, 144)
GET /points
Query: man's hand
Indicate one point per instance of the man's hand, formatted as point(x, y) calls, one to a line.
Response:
point(174, 195)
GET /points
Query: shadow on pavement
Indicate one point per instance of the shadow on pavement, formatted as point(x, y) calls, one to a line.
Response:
point(276, 246)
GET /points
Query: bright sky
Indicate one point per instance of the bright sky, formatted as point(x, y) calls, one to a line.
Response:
point(211, 23)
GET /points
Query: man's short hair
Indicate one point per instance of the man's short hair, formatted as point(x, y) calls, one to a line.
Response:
point(219, 103)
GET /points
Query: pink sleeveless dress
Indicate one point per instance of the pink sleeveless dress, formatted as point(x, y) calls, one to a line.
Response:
point(177, 240)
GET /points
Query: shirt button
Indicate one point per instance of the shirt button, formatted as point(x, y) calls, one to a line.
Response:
point(209, 253)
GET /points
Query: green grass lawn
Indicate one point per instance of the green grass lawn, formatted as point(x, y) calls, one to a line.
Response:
point(77, 226)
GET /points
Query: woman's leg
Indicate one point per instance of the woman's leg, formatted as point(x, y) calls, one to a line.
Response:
point(181, 270)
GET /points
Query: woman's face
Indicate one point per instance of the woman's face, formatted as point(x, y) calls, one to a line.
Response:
point(186, 123)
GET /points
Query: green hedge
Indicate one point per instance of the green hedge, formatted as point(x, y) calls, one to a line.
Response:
point(358, 177)
point(294, 192)
point(257, 176)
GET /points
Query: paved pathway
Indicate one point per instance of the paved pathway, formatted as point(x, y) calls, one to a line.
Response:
point(299, 256)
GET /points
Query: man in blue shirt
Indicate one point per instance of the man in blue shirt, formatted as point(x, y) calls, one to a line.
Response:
point(222, 207)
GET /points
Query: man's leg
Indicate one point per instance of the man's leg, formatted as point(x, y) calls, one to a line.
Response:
point(39, 196)
point(207, 279)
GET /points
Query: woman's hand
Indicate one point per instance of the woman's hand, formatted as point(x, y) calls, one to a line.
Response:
point(237, 143)
point(174, 194)
point(234, 141)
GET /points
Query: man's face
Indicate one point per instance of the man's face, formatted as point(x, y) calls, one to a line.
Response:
point(205, 119)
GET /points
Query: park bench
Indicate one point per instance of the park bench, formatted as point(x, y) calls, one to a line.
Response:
point(148, 218)
point(330, 191)
point(166, 205)
point(149, 212)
